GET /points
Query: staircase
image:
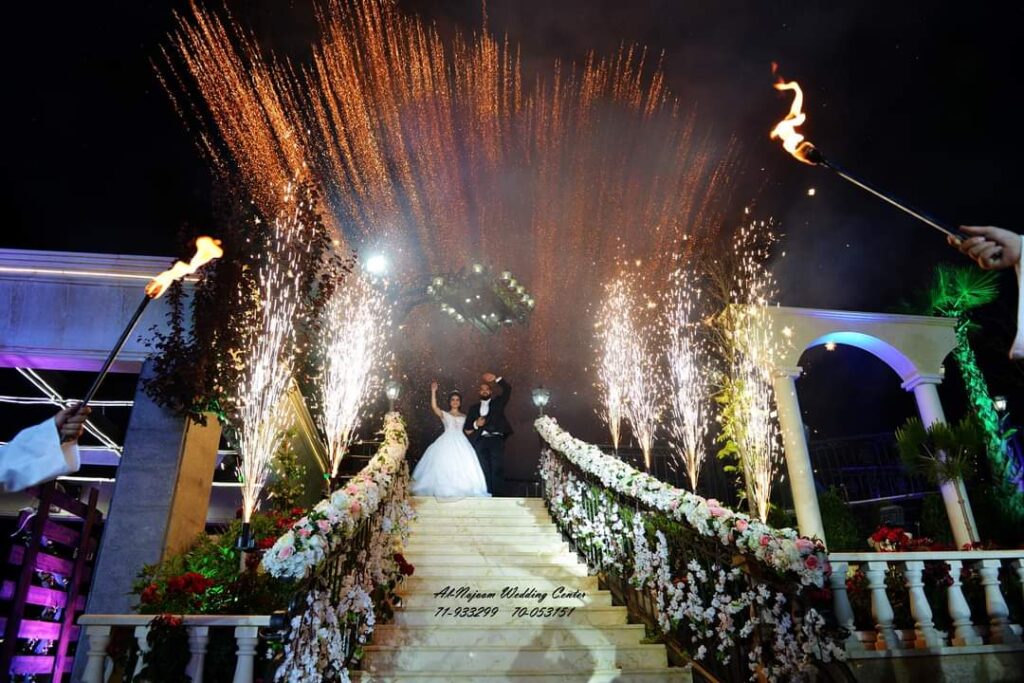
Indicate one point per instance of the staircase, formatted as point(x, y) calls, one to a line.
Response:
point(458, 625)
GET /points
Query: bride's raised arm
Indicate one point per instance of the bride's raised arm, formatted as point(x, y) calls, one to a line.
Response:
point(433, 400)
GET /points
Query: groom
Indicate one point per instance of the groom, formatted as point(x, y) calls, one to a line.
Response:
point(487, 428)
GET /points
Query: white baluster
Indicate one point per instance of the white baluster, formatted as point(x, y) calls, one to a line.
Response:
point(995, 604)
point(881, 608)
point(246, 637)
point(142, 636)
point(99, 637)
point(1019, 566)
point(964, 632)
point(198, 637)
point(924, 627)
point(841, 603)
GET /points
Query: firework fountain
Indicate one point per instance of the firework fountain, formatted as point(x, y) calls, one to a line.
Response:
point(443, 152)
point(614, 334)
point(268, 356)
point(688, 360)
point(750, 419)
point(353, 345)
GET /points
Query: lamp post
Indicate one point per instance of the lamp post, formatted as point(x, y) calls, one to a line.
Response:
point(392, 389)
point(999, 403)
point(541, 396)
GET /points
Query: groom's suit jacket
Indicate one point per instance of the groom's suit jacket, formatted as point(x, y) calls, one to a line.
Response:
point(495, 418)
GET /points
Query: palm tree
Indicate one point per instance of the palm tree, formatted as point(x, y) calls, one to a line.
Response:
point(955, 292)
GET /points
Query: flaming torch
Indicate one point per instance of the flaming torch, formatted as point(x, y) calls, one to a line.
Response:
point(207, 249)
point(802, 149)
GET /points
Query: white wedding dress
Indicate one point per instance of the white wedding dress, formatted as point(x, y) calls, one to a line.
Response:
point(449, 467)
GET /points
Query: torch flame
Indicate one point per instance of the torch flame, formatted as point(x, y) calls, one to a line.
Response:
point(207, 249)
point(792, 141)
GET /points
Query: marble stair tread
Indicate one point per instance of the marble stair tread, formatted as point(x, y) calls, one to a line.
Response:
point(505, 659)
point(461, 524)
point(584, 583)
point(437, 543)
point(512, 634)
point(425, 599)
point(490, 559)
point(586, 615)
point(660, 675)
point(470, 572)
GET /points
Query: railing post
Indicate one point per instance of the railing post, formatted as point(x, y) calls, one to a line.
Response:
point(142, 636)
point(1018, 565)
point(841, 604)
point(964, 632)
point(246, 637)
point(99, 636)
point(881, 608)
point(198, 637)
point(995, 604)
point(924, 627)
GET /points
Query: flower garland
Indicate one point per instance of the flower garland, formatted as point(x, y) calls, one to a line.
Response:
point(781, 549)
point(328, 635)
point(333, 521)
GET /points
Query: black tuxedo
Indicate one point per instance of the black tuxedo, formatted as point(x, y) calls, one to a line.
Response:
point(489, 441)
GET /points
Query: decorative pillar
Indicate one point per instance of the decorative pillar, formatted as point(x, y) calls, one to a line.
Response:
point(924, 628)
point(798, 458)
point(247, 638)
point(841, 604)
point(881, 608)
point(954, 494)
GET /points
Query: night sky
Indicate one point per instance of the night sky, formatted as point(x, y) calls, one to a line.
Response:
point(919, 97)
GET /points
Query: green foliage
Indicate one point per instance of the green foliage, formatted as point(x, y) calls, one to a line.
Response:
point(841, 530)
point(958, 289)
point(208, 578)
point(940, 453)
point(934, 521)
point(286, 485)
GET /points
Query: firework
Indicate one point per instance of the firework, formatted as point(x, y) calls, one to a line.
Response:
point(688, 361)
point(441, 152)
point(614, 335)
point(750, 419)
point(354, 340)
point(268, 357)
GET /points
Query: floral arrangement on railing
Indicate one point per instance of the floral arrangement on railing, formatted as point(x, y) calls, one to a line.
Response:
point(721, 583)
point(335, 519)
point(348, 552)
point(781, 549)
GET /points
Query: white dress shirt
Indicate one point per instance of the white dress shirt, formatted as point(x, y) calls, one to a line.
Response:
point(36, 455)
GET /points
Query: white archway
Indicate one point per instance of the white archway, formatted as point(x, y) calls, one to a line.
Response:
point(913, 346)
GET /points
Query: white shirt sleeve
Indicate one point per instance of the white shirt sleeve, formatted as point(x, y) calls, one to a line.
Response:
point(36, 455)
point(1017, 350)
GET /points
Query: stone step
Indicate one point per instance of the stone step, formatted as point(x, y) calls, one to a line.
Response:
point(510, 635)
point(416, 583)
point(481, 537)
point(508, 557)
point(580, 616)
point(485, 516)
point(482, 506)
point(469, 573)
point(432, 599)
point(467, 525)
point(504, 659)
point(666, 675)
point(435, 543)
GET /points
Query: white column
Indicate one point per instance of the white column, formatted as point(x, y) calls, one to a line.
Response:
point(798, 458)
point(954, 495)
point(99, 636)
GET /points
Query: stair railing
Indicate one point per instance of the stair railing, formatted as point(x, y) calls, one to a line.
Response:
point(742, 600)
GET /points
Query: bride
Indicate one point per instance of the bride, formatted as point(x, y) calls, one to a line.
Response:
point(449, 468)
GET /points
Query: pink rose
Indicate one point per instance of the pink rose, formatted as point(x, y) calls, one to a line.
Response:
point(324, 525)
point(765, 540)
point(355, 507)
point(285, 552)
point(304, 532)
point(811, 561)
point(741, 525)
point(804, 546)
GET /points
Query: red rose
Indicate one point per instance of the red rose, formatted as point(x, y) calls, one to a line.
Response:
point(175, 584)
point(150, 594)
point(266, 543)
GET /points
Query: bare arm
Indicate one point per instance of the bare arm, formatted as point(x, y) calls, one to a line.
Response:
point(433, 400)
point(990, 247)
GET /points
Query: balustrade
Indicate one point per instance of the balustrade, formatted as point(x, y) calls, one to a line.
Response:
point(246, 629)
point(991, 629)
